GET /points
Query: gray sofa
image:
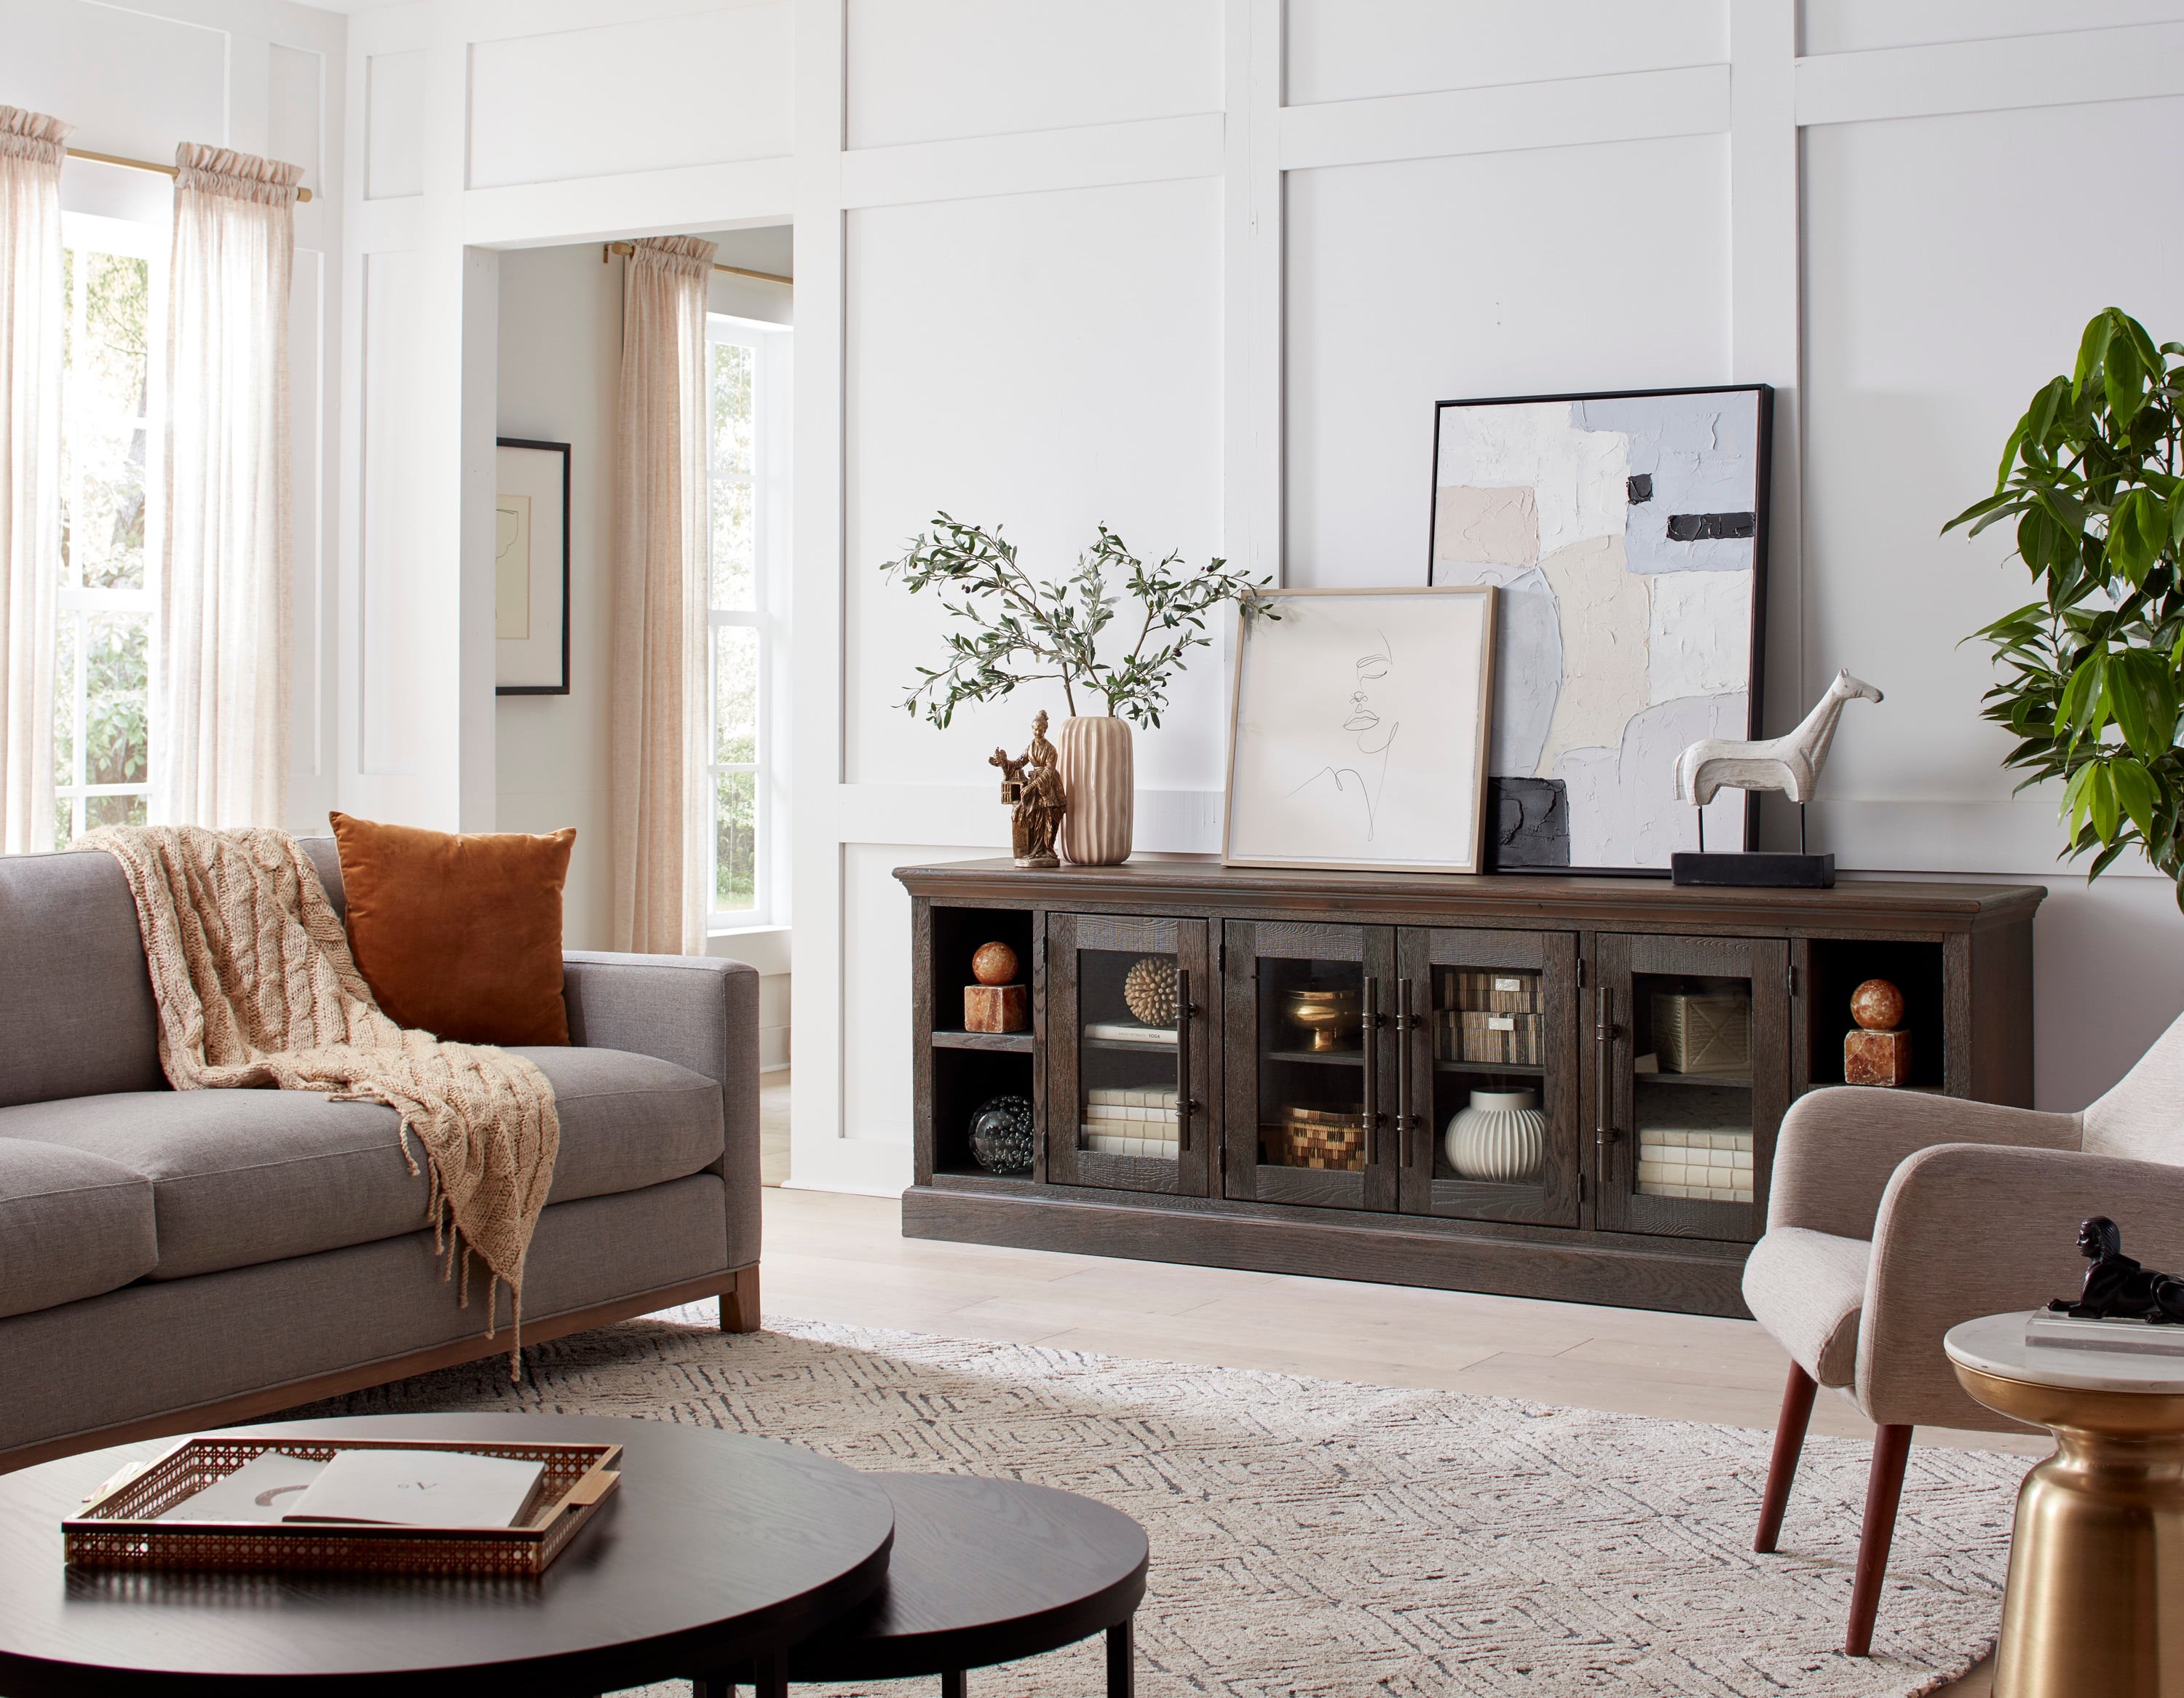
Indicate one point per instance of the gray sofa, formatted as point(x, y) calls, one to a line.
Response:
point(171, 1260)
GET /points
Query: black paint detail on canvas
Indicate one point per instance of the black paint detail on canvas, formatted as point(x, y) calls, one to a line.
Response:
point(1711, 527)
point(1639, 485)
point(1531, 824)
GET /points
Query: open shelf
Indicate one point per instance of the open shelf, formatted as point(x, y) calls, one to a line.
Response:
point(1008, 1043)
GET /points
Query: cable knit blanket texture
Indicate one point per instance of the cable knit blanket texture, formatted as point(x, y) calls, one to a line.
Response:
point(256, 988)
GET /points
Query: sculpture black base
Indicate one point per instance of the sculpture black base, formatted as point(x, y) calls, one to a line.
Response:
point(1778, 871)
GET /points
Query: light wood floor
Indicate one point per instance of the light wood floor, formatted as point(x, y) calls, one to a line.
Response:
point(830, 1257)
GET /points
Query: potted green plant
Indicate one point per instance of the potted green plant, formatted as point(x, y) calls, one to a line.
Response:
point(2094, 479)
point(1016, 630)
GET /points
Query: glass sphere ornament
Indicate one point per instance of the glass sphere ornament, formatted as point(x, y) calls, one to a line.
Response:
point(1001, 1135)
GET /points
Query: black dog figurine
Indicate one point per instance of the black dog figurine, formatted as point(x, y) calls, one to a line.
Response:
point(2117, 1288)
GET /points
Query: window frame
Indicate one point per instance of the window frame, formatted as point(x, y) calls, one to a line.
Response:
point(74, 605)
point(769, 345)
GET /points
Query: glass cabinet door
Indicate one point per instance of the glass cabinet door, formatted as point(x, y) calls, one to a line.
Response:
point(1308, 1070)
point(1127, 1054)
point(1692, 1076)
point(1488, 1080)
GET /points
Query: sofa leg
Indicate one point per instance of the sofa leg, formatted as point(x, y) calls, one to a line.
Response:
point(1884, 1488)
point(1789, 1445)
point(739, 1302)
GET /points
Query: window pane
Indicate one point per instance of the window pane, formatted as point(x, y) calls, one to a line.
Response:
point(64, 627)
point(735, 693)
point(112, 811)
point(114, 710)
point(104, 425)
point(735, 538)
point(735, 544)
point(735, 841)
point(732, 408)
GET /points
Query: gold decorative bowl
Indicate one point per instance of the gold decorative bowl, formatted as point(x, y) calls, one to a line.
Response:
point(1330, 1018)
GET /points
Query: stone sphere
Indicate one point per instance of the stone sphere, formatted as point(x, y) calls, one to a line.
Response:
point(1877, 1005)
point(994, 964)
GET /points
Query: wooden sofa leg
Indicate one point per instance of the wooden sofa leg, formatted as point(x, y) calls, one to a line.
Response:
point(739, 1302)
point(1789, 1445)
point(1884, 1489)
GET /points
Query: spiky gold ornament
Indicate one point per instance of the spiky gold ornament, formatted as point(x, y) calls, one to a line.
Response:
point(1149, 990)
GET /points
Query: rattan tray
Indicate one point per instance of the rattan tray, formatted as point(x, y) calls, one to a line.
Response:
point(119, 1525)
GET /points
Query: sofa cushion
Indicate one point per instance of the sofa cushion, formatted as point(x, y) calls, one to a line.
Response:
point(71, 1225)
point(1808, 1289)
point(75, 999)
point(244, 1177)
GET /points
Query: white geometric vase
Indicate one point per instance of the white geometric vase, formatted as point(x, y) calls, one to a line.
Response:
point(1098, 785)
point(1500, 1140)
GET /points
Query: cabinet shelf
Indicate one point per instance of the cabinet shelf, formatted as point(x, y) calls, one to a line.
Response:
point(1318, 1058)
point(1524, 1070)
point(1126, 1046)
point(1734, 1082)
point(1008, 1043)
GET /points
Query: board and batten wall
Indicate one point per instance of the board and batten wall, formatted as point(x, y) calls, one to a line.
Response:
point(265, 76)
point(1199, 269)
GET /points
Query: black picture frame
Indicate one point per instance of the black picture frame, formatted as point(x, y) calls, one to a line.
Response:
point(1755, 687)
point(562, 687)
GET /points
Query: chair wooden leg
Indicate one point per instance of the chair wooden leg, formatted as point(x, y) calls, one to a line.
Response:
point(739, 1302)
point(1789, 1445)
point(1884, 1488)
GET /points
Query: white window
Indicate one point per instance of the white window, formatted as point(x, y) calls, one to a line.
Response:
point(114, 278)
point(748, 366)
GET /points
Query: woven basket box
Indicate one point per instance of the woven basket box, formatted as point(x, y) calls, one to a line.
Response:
point(1498, 1039)
point(1702, 1032)
point(1489, 990)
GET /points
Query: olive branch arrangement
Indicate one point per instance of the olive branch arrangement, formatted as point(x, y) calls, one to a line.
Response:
point(1023, 632)
point(2094, 478)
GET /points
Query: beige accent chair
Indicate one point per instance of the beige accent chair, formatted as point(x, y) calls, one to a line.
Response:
point(1894, 1216)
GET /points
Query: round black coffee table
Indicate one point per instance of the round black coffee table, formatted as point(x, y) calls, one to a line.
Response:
point(982, 1571)
point(717, 1548)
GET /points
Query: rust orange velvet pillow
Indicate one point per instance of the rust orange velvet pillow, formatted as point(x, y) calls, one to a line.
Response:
point(459, 932)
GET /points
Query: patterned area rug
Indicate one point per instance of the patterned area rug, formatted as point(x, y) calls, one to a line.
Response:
point(1315, 1538)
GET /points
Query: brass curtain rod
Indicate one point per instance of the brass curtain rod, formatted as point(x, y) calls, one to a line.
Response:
point(627, 249)
point(144, 165)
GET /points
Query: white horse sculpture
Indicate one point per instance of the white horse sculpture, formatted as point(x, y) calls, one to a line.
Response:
point(1789, 764)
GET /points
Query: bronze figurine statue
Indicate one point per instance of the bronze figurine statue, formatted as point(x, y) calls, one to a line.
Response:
point(1031, 783)
point(2117, 1288)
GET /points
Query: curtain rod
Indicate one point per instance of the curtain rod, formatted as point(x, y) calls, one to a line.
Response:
point(627, 249)
point(144, 165)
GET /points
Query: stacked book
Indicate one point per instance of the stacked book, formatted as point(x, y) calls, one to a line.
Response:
point(1714, 1166)
point(1130, 1122)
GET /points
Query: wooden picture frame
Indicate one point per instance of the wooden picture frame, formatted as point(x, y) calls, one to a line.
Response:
point(1320, 771)
point(530, 593)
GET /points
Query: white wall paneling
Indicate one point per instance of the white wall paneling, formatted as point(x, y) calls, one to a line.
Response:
point(2054, 70)
point(394, 109)
point(1845, 26)
point(132, 83)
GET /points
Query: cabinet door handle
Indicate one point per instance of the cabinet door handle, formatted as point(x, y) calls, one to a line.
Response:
point(1403, 1116)
point(1605, 1031)
point(1369, 1014)
point(1184, 1106)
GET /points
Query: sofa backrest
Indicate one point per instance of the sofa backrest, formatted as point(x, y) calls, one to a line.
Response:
point(76, 1017)
point(77, 1014)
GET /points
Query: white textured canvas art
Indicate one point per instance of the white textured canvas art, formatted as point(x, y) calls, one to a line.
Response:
point(1358, 735)
point(1627, 536)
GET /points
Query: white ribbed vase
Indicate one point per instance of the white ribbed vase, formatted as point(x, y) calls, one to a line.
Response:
point(1098, 784)
point(1499, 1139)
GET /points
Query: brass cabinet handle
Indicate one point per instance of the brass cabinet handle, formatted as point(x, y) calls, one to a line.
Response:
point(1605, 1031)
point(1369, 1011)
point(1183, 1104)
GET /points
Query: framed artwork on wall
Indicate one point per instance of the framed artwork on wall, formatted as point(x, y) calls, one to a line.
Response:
point(531, 568)
point(1627, 534)
point(1357, 731)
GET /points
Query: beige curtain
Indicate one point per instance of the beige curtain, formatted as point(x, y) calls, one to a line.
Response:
point(661, 508)
point(31, 318)
point(220, 662)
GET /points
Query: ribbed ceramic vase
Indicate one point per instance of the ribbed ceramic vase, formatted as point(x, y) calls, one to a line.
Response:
point(1499, 1139)
point(1097, 786)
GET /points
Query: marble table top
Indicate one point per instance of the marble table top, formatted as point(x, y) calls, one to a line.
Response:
point(1995, 1343)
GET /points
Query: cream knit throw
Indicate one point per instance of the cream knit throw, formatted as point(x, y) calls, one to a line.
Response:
point(256, 986)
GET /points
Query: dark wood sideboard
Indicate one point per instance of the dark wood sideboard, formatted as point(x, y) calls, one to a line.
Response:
point(1291, 1115)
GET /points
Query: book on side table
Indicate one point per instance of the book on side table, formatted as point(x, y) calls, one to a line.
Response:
point(2050, 1330)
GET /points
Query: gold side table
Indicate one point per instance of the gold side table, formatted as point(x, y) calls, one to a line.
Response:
point(2095, 1598)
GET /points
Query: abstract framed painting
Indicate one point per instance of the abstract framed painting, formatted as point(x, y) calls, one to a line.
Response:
point(1627, 535)
point(1357, 729)
point(531, 568)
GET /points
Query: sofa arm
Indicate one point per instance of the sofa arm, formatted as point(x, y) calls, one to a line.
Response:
point(700, 1012)
point(1966, 1230)
point(1839, 1145)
